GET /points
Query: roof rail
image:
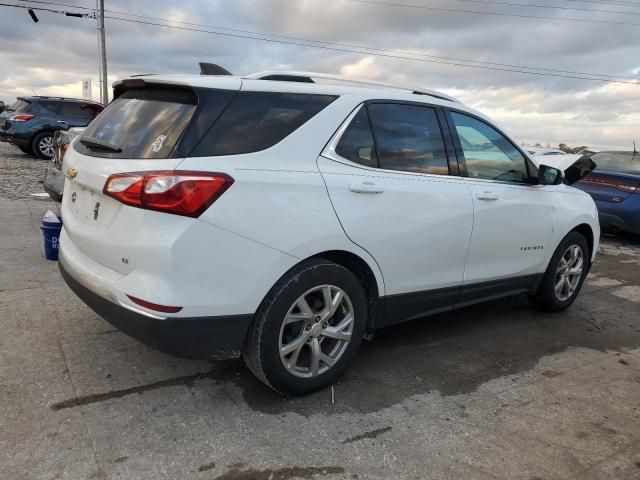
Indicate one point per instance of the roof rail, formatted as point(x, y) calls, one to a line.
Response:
point(327, 79)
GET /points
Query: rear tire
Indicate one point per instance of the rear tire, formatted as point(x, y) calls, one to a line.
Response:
point(565, 274)
point(42, 145)
point(307, 329)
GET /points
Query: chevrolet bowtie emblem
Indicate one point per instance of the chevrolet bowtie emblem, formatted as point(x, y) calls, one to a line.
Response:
point(71, 173)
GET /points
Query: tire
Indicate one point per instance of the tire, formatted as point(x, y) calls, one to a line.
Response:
point(548, 297)
point(42, 145)
point(310, 328)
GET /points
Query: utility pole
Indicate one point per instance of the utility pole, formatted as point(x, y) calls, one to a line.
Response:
point(102, 46)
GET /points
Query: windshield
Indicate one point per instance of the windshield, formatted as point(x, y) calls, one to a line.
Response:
point(619, 162)
point(140, 123)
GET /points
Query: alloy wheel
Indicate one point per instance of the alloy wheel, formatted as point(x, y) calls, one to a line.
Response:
point(569, 272)
point(316, 331)
point(46, 146)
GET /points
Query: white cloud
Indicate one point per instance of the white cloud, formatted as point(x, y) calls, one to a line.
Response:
point(51, 57)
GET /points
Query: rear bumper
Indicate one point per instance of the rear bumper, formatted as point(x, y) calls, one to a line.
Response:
point(15, 140)
point(196, 338)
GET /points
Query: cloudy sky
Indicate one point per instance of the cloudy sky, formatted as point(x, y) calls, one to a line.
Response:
point(52, 56)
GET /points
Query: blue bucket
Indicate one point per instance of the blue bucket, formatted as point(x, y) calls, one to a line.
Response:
point(51, 233)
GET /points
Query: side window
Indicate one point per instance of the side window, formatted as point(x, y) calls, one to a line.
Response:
point(408, 138)
point(487, 153)
point(356, 144)
point(47, 107)
point(75, 110)
point(255, 121)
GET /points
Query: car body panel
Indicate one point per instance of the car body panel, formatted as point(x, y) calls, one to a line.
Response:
point(615, 189)
point(44, 120)
point(423, 235)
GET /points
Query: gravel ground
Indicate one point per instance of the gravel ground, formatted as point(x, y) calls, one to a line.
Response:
point(495, 391)
point(20, 174)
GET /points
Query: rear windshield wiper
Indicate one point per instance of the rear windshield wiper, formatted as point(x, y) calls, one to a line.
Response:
point(91, 142)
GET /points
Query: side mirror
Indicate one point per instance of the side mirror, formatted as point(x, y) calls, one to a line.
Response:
point(549, 175)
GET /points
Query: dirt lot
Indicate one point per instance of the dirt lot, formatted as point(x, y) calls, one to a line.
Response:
point(494, 391)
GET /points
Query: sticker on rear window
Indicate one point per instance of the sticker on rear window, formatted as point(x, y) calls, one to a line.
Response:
point(158, 143)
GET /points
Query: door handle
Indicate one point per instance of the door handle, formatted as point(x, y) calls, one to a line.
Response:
point(63, 122)
point(487, 196)
point(365, 187)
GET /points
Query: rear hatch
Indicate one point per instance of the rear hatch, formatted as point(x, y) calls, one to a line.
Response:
point(20, 106)
point(148, 127)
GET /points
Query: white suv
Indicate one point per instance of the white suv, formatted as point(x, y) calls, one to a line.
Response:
point(285, 216)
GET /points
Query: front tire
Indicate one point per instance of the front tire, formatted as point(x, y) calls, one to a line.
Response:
point(307, 329)
point(565, 274)
point(42, 145)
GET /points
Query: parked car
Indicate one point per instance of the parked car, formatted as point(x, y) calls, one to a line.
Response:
point(31, 121)
point(53, 177)
point(615, 187)
point(285, 216)
point(588, 151)
point(544, 152)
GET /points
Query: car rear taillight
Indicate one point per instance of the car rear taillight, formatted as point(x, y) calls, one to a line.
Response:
point(178, 192)
point(154, 306)
point(22, 117)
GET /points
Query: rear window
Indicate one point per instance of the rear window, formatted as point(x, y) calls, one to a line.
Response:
point(628, 163)
point(255, 121)
point(142, 123)
point(19, 106)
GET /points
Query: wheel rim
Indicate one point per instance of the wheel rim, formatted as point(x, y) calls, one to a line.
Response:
point(316, 331)
point(569, 272)
point(46, 146)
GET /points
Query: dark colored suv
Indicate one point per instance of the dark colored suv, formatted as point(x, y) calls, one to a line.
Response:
point(31, 122)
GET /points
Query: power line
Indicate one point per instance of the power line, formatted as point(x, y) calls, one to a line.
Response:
point(451, 10)
point(557, 7)
point(499, 14)
point(365, 50)
point(606, 2)
point(40, 9)
point(389, 55)
point(363, 47)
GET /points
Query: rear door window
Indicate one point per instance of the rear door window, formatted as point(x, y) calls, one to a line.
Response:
point(76, 110)
point(142, 123)
point(47, 107)
point(255, 121)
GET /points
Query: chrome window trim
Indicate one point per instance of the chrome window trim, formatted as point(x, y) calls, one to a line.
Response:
point(330, 152)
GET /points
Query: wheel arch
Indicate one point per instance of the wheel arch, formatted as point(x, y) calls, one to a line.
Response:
point(586, 230)
point(365, 275)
